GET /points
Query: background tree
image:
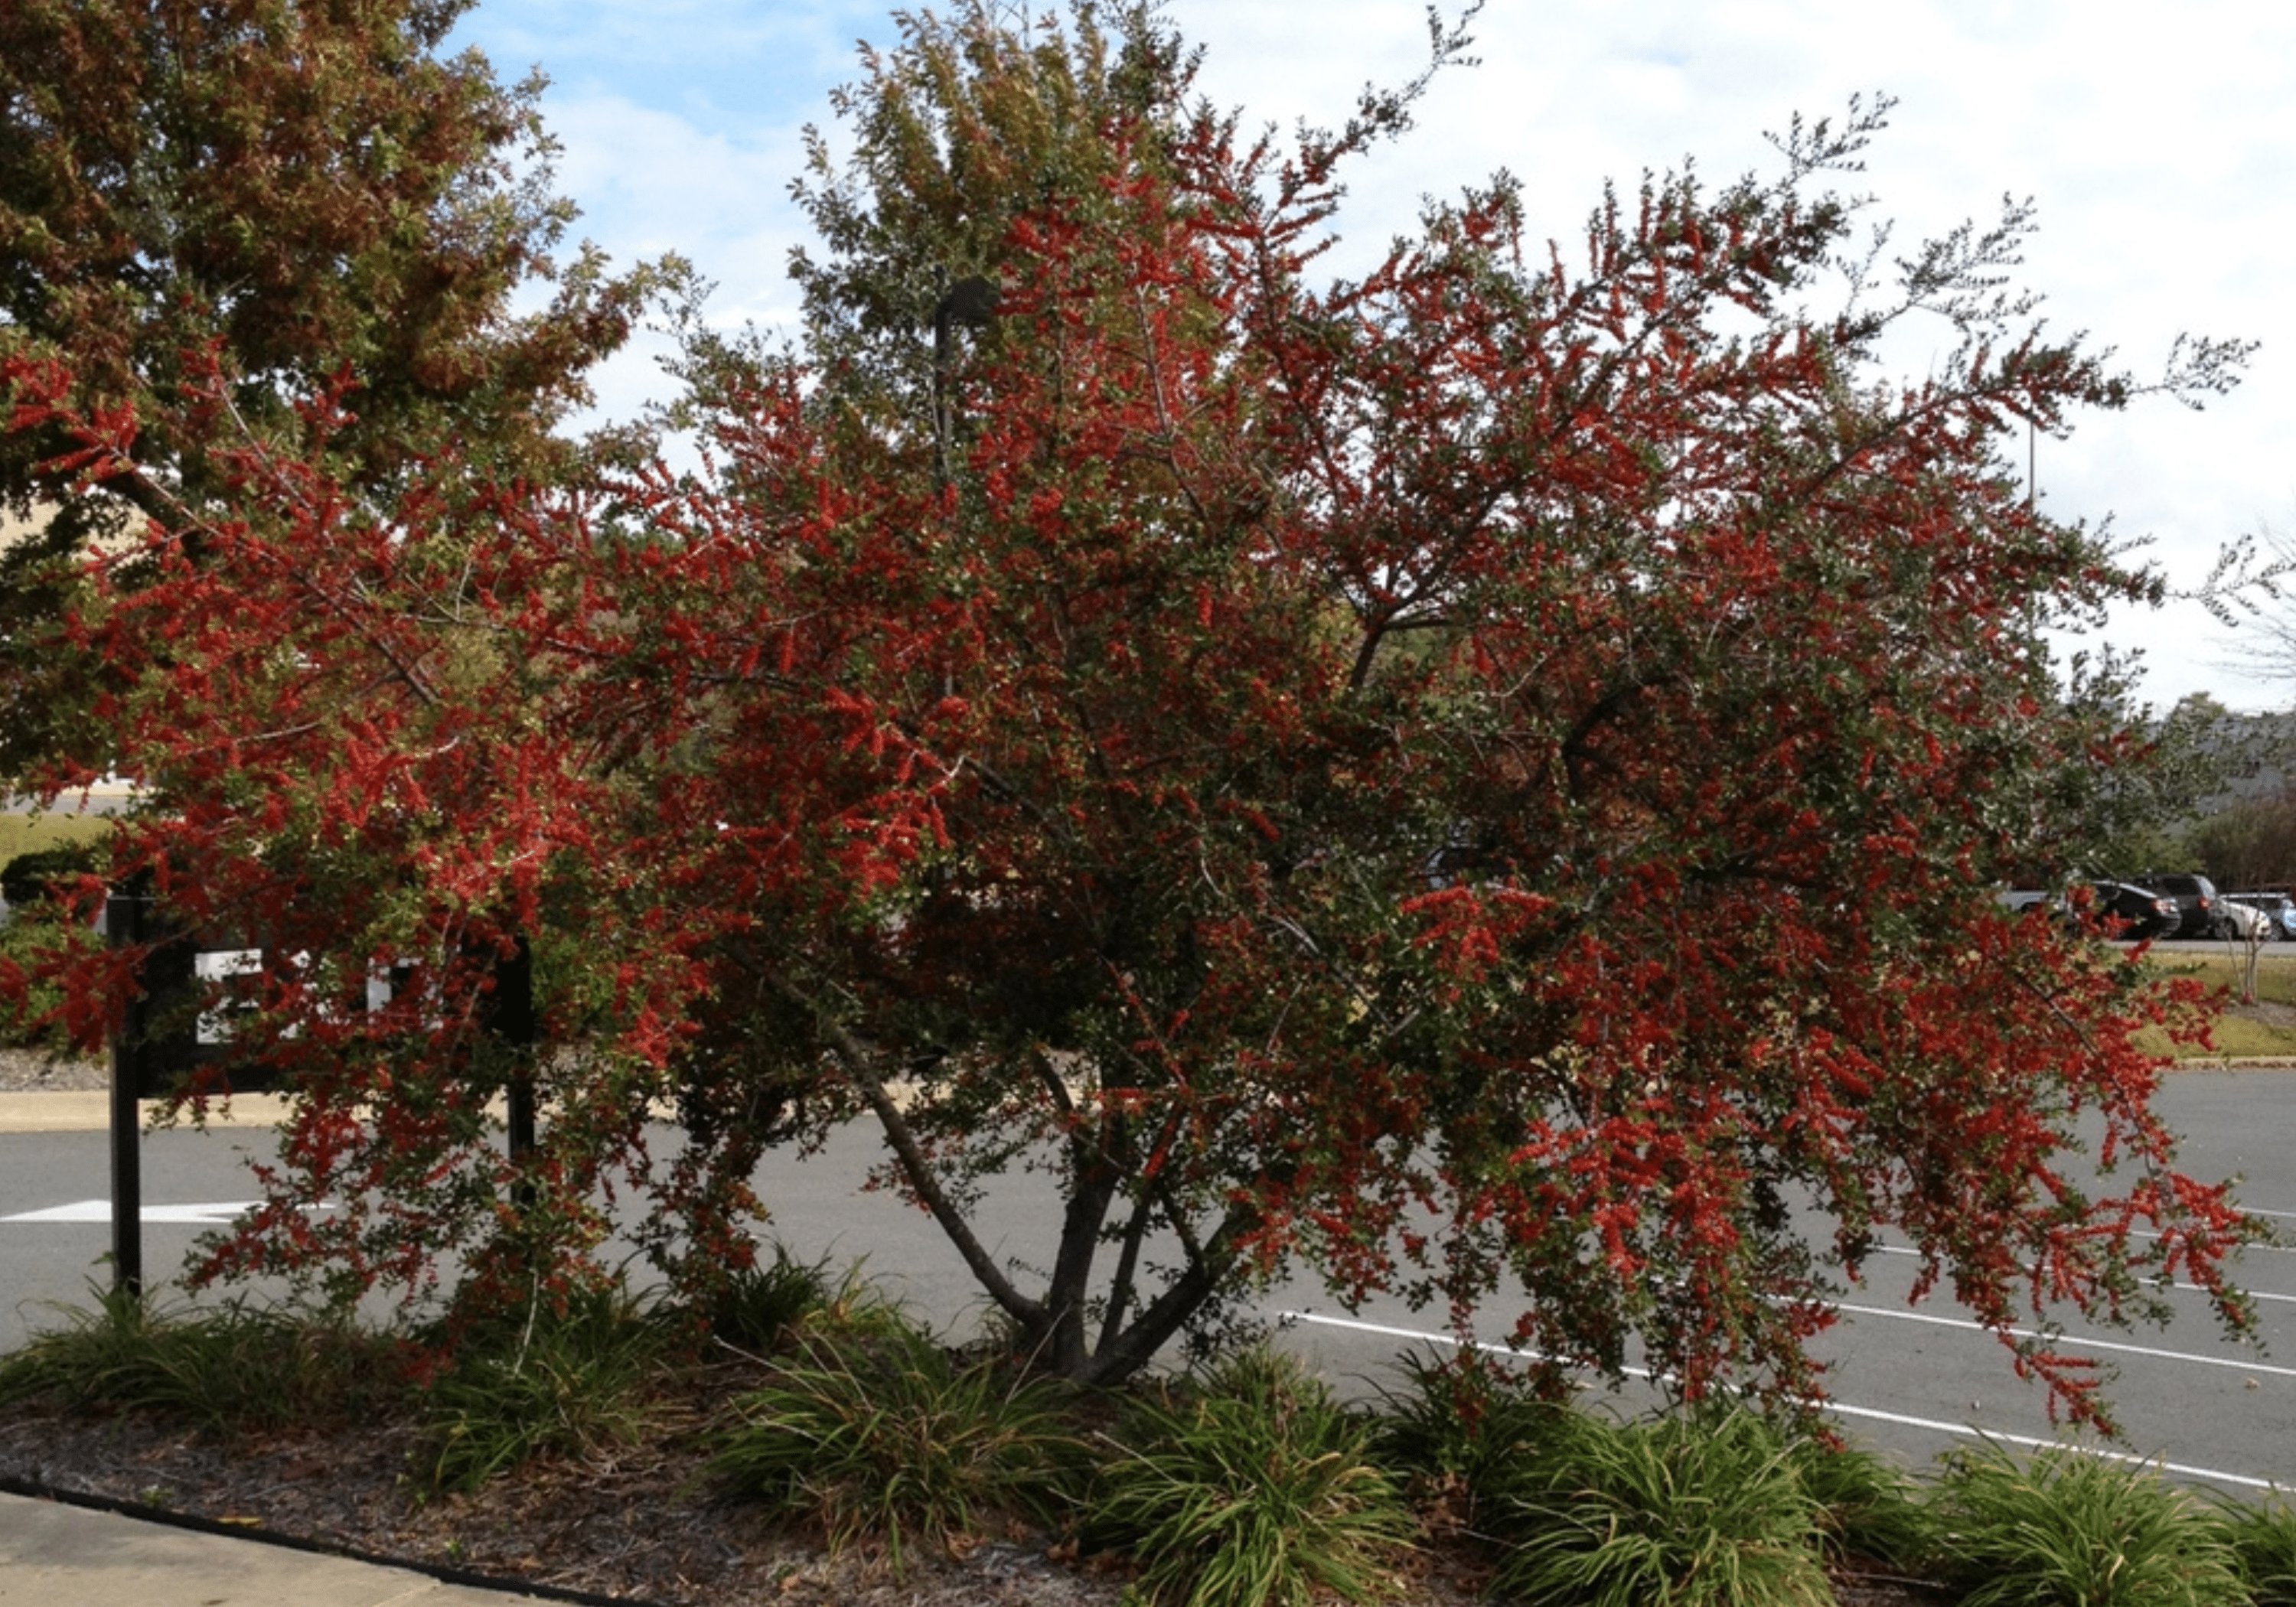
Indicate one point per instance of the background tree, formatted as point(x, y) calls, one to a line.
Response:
point(2128, 810)
point(2249, 843)
point(2240, 825)
point(1486, 777)
point(283, 192)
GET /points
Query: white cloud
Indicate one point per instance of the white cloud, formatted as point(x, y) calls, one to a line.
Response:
point(2162, 154)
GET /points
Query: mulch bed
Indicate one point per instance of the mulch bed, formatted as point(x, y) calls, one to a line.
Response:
point(35, 1071)
point(639, 1522)
point(642, 1523)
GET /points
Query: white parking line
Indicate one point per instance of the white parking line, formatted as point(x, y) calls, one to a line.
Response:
point(1960, 1431)
point(2253, 1294)
point(2080, 1342)
point(2270, 1250)
point(1970, 1431)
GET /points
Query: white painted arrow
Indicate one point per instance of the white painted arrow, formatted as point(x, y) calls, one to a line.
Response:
point(206, 1214)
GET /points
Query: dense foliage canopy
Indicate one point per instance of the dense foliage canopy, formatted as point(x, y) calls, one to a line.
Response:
point(1486, 777)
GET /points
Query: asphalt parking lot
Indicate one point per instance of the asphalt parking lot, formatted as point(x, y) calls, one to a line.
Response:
point(1917, 1380)
point(1914, 1380)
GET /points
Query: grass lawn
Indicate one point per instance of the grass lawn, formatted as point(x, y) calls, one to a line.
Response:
point(24, 833)
point(2267, 1028)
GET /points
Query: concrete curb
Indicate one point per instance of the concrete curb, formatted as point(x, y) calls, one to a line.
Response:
point(89, 1111)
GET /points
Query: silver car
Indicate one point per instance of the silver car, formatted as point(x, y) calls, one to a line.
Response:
point(2279, 912)
point(2243, 922)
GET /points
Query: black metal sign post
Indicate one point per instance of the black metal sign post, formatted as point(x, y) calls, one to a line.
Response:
point(510, 1017)
point(144, 1066)
point(123, 924)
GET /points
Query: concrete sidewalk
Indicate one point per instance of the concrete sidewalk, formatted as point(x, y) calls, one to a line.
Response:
point(56, 1554)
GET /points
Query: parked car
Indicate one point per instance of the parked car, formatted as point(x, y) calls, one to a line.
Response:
point(2279, 910)
point(2198, 903)
point(2243, 922)
point(2138, 912)
point(2123, 911)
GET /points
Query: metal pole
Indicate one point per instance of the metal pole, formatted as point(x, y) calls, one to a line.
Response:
point(123, 924)
point(971, 302)
point(521, 1140)
point(512, 1019)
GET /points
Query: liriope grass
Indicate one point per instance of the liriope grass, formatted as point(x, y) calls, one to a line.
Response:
point(2059, 1528)
point(2263, 1538)
point(1454, 1433)
point(758, 1306)
point(1866, 1507)
point(1703, 1509)
point(562, 1375)
point(873, 1431)
point(1255, 1487)
point(566, 1374)
point(1250, 1485)
point(224, 1366)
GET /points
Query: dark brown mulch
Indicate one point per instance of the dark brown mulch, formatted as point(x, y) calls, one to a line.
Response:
point(642, 1523)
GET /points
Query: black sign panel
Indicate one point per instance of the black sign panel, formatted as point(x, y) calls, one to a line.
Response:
point(179, 1026)
point(182, 1032)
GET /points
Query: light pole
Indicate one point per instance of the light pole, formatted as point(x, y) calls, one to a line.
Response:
point(971, 302)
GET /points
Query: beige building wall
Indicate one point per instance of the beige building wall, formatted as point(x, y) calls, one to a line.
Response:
point(13, 530)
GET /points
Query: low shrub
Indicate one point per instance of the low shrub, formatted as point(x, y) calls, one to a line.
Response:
point(31, 878)
point(31, 930)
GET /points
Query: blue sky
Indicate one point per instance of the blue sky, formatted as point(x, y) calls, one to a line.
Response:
point(2161, 156)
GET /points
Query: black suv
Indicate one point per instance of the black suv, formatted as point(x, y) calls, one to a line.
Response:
point(2198, 902)
point(2117, 909)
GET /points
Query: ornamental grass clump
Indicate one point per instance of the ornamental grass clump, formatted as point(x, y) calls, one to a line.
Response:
point(1702, 1509)
point(2264, 1539)
point(1456, 1433)
point(227, 1367)
point(873, 1430)
point(1866, 1506)
point(1256, 1487)
point(2062, 1529)
point(566, 1374)
point(758, 1307)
